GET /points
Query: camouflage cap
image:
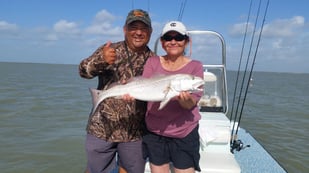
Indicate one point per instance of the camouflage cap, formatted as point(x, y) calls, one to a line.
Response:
point(138, 15)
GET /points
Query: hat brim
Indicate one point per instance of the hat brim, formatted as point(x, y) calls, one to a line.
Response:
point(138, 19)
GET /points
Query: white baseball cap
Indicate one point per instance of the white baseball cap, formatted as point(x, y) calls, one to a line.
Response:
point(174, 26)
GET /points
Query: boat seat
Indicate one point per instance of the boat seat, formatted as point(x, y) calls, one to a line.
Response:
point(215, 135)
point(214, 129)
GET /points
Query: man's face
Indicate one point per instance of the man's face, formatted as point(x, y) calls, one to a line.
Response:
point(137, 35)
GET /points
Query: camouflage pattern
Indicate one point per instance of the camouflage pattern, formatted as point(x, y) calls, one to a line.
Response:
point(116, 120)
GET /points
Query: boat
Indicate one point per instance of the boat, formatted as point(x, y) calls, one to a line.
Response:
point(221, 150)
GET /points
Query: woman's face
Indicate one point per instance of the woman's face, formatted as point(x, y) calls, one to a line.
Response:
point(174, 43)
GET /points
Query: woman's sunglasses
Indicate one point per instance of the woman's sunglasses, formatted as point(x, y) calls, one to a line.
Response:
point(177, 37)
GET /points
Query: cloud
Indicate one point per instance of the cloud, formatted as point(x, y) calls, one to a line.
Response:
point(286, 34)
point(5, 26)
point(277, 28)
point(51, 37)
point(8, 30)
point(284, 27)
point(104, 16)
point(103, 24)
point(283, 42)
point(66, 27)
point(239, 29)
point(61, 30)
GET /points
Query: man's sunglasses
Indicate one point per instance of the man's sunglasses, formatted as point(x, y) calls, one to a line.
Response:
point(177, 37)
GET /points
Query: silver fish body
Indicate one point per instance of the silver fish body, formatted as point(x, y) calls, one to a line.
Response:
point(158, 88)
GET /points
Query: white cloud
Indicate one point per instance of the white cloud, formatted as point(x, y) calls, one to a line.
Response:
point(284, 27)
point(278, 28)
point(103, 29)
point(285, 34)
point(5, 26)
point(51, 37)
point(104, 16)
point(64, 26)
point(8, 30)
point(239, 29)
point(284, 42)
point(285, 45)
point(103, 24)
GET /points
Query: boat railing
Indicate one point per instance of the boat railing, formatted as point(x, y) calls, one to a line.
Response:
point(215, 98)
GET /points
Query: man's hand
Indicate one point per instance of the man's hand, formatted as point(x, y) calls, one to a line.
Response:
point(126, 97)
point(109, 53)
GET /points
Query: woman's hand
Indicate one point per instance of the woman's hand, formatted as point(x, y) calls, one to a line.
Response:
point(186, 100)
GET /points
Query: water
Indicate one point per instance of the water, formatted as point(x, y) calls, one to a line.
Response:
point(44, 110)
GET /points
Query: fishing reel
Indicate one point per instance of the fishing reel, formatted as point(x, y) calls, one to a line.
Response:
point(238, 145)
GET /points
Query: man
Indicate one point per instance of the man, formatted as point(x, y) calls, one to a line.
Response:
point(117, 125)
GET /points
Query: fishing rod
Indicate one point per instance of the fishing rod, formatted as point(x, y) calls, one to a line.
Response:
point(148, 5)
point(237, 144)
point(182, 9)
point(253, 63)
point(245, 71)
point(132, 4)
point(239, 65)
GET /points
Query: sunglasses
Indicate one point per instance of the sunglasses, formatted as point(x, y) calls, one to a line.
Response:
point(177, 37)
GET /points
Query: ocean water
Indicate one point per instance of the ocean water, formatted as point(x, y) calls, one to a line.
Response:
point(44, 110)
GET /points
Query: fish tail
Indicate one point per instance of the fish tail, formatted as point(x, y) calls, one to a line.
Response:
point(97, 98)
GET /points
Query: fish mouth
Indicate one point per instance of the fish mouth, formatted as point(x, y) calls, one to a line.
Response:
point(198, 86)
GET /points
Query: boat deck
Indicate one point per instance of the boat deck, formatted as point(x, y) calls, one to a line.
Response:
point(255, 159)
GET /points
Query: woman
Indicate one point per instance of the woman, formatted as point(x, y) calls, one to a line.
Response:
point(172, 136)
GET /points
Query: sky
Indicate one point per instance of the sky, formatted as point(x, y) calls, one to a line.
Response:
point(67, 31)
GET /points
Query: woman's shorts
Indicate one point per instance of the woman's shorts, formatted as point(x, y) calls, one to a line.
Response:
point(183, 153)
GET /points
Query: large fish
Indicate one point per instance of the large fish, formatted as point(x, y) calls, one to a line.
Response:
point(159, 88)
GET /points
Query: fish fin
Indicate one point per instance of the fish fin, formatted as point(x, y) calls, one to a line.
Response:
point(169, 93)
point(163, 103)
